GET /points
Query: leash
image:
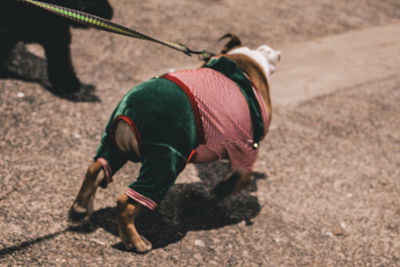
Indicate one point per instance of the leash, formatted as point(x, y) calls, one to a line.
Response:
point(109, 26)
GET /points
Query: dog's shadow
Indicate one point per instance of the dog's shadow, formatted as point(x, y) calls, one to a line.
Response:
point(187, 207)
point(25, 66)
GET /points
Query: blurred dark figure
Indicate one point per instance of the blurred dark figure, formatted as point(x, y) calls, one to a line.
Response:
point(22, 22)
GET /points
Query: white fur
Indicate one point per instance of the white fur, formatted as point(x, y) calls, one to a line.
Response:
point(265, 56)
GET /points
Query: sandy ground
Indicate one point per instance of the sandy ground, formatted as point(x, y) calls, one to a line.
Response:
point(327, 181)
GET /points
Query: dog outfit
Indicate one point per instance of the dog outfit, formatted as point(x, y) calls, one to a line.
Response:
point(195, 115)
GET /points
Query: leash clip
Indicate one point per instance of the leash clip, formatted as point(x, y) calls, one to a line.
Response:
point(204, 55)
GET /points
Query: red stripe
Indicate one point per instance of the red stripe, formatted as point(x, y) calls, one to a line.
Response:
point(106, 168)
point(145, 201)
point(191, 156)
point(193, 103)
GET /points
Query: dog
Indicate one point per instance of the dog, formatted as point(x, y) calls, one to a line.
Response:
point(20, 22)
point(220, 110)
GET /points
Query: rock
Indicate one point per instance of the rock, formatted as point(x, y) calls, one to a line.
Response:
point(339, 231)
point(199, 243)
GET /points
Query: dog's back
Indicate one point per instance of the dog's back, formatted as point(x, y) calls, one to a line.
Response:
point(225, 114)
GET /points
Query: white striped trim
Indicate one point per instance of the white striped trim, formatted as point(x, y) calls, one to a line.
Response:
point(145, 201)
point(107, 169)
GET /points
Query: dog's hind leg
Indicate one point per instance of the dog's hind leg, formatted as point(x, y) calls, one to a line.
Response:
point(127, 212)
point(127, 143)
point(82, 207)
point(233, 184)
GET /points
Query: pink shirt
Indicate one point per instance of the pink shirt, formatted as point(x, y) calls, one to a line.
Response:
point(225, 116)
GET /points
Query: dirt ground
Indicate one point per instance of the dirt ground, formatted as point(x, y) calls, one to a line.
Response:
point(327, 184)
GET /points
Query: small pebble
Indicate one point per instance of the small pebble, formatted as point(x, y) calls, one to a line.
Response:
point(339, 231)
point(98, 242)
point(199, 243)
point(329, 234)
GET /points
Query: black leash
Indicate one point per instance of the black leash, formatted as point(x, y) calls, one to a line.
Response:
point(109, 26)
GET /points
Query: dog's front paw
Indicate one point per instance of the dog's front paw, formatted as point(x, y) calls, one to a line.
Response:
point(233, 184)
point(226, 187)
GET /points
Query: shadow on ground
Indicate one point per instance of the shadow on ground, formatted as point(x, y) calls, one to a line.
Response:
point(187, 207)
point(27, 67)
point(12, 249)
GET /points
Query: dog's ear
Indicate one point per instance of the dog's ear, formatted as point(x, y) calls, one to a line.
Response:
point(233, 42)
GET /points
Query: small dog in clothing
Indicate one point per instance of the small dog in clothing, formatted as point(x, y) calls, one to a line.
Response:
point(220, 110)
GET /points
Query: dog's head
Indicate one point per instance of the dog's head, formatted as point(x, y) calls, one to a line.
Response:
point(272, 56)
point(264, 55)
